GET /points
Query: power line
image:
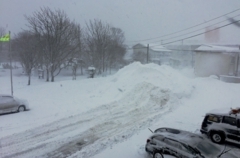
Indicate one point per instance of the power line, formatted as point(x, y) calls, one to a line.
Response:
point(193, 35)
point(187, 28)
point(202, 33)
point(192, 31)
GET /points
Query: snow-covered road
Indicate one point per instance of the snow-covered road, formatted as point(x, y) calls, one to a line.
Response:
point(107, 123)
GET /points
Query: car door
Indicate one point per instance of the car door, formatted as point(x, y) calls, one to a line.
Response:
point(1, 104)
point(8, 104)
point(179, 149)
point(238, 126)
point(170, 147)
point(231, 128)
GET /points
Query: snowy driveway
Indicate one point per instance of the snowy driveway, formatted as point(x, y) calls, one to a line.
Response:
point(91, 131)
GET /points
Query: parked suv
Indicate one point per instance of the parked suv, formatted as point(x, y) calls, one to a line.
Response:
point(222, 126)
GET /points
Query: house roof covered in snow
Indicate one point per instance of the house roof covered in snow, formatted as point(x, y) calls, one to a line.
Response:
point(214, 48)
point(160, 48)
point(154, 47)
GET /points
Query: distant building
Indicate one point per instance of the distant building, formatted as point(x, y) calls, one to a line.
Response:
point(216, 60)
point(182, 55)
point(155, 54)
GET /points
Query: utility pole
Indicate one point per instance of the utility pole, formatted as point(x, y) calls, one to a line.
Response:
point(182, 45)
point(237, 63)
point(147, 52)
point(10, 54)
point(192, 55)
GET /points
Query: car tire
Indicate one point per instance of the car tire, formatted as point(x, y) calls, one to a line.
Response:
point(157, 155)
point(217, 137)
point(21, 108)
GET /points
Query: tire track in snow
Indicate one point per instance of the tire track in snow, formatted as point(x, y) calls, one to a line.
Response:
point(92, 131)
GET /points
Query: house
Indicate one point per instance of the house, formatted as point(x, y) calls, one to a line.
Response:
point(150, 53)
point(182, 55)
point(216, 60)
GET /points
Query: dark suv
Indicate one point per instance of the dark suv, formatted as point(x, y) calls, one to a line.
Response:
point(222, 126)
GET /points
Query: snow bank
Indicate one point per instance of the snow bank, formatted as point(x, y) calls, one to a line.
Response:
point(52, 101)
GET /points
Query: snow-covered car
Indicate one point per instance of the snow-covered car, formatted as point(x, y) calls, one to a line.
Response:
point(9, 104)
point(221, 125)
point(182, 144)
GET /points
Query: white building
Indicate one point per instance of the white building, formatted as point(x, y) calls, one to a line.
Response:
point(216, 60)
point(151, 53)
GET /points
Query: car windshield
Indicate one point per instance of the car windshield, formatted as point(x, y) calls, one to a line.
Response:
point(170, 130)
point(207, 148)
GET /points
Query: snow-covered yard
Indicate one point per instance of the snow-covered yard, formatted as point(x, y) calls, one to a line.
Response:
point(107, 116)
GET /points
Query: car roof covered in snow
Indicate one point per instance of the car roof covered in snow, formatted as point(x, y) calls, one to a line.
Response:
point(225, 112)
point(181, 135)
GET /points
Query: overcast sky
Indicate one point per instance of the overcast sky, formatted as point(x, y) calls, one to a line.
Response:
point(139, 19)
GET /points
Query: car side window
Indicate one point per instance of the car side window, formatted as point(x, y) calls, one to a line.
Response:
point(179, 146)
point(230, 120)
point(213, 118)
point(170, 142)
point(185, 148)
point(157, 139)
point(3, 100)
point(7, 99)
point(238, 123)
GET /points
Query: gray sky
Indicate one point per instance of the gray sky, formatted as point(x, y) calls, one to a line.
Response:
point(139, 19)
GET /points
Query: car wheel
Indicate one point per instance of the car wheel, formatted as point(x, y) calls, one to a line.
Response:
point(21, 108)
point(217, 137)
point(158, 155)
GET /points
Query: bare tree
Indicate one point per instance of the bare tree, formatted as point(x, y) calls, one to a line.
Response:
point(80, 49)
point(2, 31)
point(117, 49)
point(57, 35)
point(104, 45)
point(97, 39)
point(26, 46)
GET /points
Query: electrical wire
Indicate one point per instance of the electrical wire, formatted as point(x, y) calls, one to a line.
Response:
point(192, 31)
point(202, 33)
point(193, 35)
point(186, 28)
